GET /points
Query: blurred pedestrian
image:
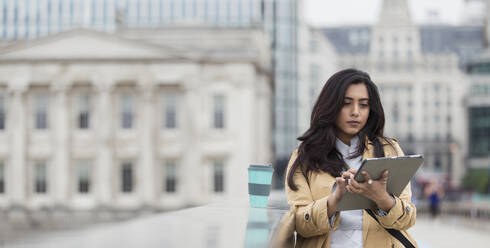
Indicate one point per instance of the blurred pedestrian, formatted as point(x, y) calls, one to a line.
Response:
point(434, 193)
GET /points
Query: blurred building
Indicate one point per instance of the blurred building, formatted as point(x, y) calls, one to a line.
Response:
point(25, 20)
point(90, 119)
point(474, 12)
point(282, 20)
point(422, 82)
point(478, 106)
point(34, 19)
point(318, 61)
point(150, 21)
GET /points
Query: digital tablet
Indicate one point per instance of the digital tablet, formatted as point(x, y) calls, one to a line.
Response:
point(401, 170)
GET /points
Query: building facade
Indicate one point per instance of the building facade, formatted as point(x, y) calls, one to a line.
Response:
point(34, 19)
point(279, 18)
point(90, 119)
point(318, 60)
point(478, 107)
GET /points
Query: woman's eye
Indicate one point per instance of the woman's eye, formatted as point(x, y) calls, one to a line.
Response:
point(364, 105)
point(346, 103)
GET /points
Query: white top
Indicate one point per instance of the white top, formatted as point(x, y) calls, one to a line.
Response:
point(349, 231)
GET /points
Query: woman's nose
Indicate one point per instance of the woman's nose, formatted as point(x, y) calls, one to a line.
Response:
point(355, 111)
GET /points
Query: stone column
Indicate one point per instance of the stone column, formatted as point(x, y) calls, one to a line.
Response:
point(192, 129)
point(17, 128)
point(147, 145)
point(104, 181)
point(62, 187)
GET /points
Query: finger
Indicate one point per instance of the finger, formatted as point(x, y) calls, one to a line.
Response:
point(346, 175)
point(384, 176)
point(353, 189)
point(340, 181)
point(350, 189)
point(353, 171)
point(354, 183)
point(366, 176)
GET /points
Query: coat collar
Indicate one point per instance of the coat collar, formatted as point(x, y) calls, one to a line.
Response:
point(347, 150)
point(369, 150)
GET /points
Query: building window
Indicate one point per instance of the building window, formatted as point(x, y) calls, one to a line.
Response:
point(170, 170)
point(127, 111)
point(395, 55)
point(38, 21)
point(4, 20)
point(16, 20)
point(449, 136)
point(2, 178)
point(381, 66)
point(314, 71)
point(170, 104)
point(127, 177)
point(313, 46)
point(410, 137)
point(396, 112)
point(219, 111)
point(437, 162)
point(71, 13)
point(2, 111)
point(40, 177)
point(83, 117)
point(218, 176)
point(314, 80)
point(409, 119)
point(354, 38)
point(49, 17)
point(83, 177)
point(479, 123)
point(41, 104)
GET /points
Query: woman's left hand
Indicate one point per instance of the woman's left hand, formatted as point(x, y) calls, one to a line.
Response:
point(372, 189)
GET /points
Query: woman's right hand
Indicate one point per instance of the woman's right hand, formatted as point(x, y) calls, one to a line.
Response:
point(339, 191)
point(342, 183)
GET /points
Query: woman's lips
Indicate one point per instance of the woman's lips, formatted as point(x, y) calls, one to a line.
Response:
point(353, 123)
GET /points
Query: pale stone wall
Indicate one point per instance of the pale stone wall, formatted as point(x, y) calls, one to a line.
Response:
point(112, 66)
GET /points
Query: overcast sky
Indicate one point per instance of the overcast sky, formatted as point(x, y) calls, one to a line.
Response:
point(338, 12)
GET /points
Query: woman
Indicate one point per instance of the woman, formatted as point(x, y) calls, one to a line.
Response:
point(346, 126)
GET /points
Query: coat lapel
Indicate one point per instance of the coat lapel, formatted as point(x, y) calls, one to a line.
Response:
point(368, 153)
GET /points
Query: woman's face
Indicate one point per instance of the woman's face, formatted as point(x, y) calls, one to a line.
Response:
point(354, 113)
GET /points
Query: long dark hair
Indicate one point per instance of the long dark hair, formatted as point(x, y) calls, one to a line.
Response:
point(317, 150)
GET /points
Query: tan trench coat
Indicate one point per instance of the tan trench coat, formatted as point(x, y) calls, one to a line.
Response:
point(309, 205)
